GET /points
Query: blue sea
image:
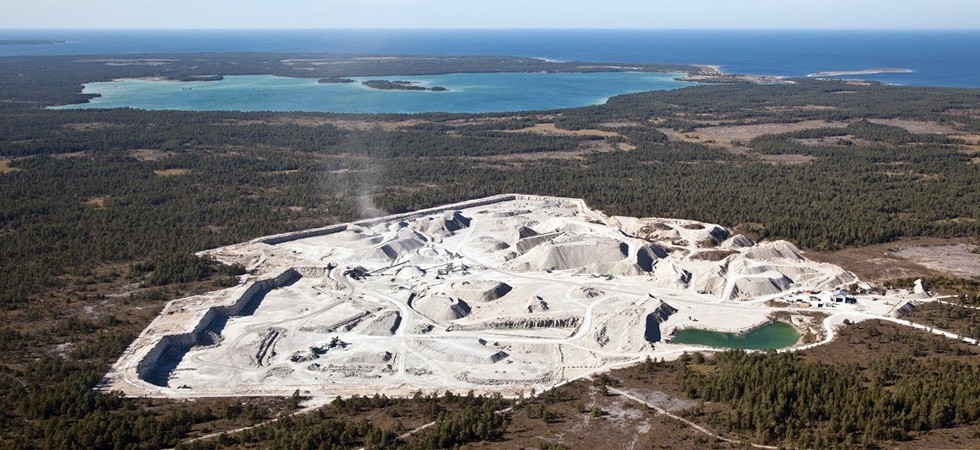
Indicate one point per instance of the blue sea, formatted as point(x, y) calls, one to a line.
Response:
point(937, 58)
point(933, 58)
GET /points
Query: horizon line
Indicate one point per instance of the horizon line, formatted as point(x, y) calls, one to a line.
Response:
point(15, 28)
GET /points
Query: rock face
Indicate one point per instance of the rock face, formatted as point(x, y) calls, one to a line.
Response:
point(647, 255)
point(654, 319)
point(632, 325)
point(524, 323)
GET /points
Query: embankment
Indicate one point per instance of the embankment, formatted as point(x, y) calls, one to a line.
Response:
point(163, 357)
point(367, 223)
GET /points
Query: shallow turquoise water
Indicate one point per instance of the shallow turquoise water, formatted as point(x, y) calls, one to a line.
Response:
point(772, 336)
point(468, 93)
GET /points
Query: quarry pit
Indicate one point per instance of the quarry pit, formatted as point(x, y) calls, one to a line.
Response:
point(506, 294)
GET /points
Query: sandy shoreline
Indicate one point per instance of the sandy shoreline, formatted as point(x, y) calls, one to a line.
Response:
point(710, 69)
point(857, 72)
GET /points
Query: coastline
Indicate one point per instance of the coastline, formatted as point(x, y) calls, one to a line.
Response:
point(716, 76)
point(839, 73)
point(743, 52)
point(710, 69)
point(343, 69)
point(525, 91)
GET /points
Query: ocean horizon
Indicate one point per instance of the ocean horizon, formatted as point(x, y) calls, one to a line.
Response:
point(947, 58)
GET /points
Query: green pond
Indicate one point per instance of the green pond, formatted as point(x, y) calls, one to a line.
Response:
point(772, 336)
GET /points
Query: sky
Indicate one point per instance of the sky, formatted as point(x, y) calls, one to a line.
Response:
point(659, 14)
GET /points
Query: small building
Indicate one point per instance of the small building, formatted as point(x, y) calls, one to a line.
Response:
point(840, 296)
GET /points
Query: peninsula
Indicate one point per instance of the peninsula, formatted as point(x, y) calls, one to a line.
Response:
point(856, 72)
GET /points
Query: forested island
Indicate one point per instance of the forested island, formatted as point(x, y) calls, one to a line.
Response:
point(335, 80)
point(198, 78)
point(102, 210)
point(386, 85)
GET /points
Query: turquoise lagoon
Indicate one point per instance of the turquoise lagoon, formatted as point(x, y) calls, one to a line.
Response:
point(467, 93)
point(769, 337)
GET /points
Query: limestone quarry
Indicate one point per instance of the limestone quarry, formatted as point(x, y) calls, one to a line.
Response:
point(503, 294)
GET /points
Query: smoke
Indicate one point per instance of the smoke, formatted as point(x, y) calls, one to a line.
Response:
point(366, 205)
point(365, 186)
point(359, 179)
